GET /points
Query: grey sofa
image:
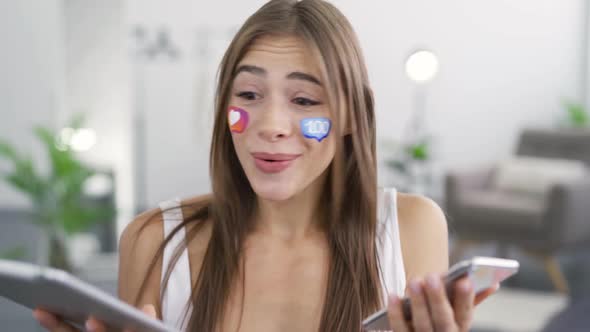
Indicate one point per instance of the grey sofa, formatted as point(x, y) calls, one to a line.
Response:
point(540, 226)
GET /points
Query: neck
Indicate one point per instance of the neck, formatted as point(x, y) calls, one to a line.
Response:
point(295, 218)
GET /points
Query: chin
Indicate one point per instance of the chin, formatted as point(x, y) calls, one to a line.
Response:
point(273, 191)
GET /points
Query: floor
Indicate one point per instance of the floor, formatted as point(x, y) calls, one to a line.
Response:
point(517, 310)
point(528, 303)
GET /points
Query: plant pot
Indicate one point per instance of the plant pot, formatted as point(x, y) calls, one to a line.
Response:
point(419, 176)
point(57, 252)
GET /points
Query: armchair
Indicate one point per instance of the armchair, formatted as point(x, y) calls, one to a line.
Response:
point(540, 225)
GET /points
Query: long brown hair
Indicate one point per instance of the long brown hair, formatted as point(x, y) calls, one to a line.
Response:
point(353, 287)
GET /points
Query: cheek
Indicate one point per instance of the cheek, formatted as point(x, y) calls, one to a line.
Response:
point(319, 154)
point(240, 145)
point(241, 151)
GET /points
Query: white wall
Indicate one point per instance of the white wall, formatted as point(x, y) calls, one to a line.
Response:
point(176, 96)
point(98, 85)
point(585, 59)
point(31, 78)
point(504, 65)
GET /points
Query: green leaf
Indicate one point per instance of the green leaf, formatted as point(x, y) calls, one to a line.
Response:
point(46, 136)
point(58, 158)
point(78, 218)
point(418, 151)
point(577, 113)
point(18, 182)
point(7, 150)
point(58, 197)
point(64, 163)
point(25, 178)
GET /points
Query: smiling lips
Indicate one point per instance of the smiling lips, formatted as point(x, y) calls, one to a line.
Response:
point(273, 162)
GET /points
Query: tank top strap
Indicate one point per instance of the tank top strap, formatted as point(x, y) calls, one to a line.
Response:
point(176, 299)
point(393, 276)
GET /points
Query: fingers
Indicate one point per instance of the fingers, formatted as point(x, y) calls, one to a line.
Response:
point(150, 310)
point(396, 316)
point(441, 311)
point(94, 325)
point(420, 312)
point(479, 298)
point(51, 322)
point(463, 303)
point(54, 324)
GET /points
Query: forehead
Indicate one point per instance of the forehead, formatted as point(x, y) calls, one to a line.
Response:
point(281, 53)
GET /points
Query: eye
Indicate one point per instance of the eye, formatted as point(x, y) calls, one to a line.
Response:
point(301, 101)
point(248, 95)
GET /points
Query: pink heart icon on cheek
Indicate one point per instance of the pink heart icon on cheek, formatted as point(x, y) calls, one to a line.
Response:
point(237, 119)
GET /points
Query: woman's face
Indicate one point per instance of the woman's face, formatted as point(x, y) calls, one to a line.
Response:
point(275, 94)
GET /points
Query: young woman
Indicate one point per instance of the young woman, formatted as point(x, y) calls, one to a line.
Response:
point(295, 236)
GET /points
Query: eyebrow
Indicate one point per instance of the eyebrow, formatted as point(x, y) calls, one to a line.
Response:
point(296, 75)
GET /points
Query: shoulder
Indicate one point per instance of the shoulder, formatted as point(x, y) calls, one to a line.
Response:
point(144, 235)
point(423, 233)
point(138, 247)
point(148, 226)
point(139, 255)
point(417, 211)
point(142, 231)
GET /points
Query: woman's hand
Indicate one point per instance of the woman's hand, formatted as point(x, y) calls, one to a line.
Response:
point(54, 324)
point(431, 308)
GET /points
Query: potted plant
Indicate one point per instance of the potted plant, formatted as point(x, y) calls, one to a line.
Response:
point(576, 115)
point(57, 198)
point(411, 166)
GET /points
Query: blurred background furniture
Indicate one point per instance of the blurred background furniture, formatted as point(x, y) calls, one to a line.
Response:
point(573, 318)
point(540, 225)
point(29, 243)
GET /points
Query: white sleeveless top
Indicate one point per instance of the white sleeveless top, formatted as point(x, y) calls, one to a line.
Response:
point(176, 300)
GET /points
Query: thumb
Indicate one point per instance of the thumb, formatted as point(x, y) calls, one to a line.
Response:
point(485, 294)
point(149, 310)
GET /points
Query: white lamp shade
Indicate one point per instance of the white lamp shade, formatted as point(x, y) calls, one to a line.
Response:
point(422, 66)
point(82, 139)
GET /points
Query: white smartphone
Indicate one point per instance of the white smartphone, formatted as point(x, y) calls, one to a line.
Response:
point(484, 272)
point(70, 298)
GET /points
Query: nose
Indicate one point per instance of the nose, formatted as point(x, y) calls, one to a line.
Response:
point(275, 123)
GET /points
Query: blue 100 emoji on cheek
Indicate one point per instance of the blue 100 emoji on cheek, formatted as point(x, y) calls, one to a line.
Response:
point(317, 128)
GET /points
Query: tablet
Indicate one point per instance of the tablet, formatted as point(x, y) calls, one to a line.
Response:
point(72, 299)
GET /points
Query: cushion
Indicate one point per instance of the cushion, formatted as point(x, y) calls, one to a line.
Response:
point(533, 175)
point(503, 208)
